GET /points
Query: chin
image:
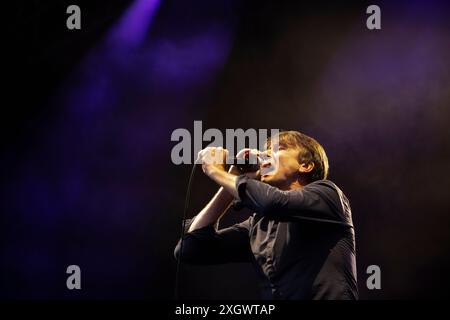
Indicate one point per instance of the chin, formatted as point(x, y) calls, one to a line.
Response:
point(267, 179)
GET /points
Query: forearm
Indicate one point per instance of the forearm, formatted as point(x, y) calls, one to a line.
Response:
point(213, 211)
point(226, 180)
point(220, 203)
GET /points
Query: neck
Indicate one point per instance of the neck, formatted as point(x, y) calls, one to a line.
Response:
point(293, 185)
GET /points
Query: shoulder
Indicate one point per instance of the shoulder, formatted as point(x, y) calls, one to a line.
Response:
point(329, 190)
point(323, 185)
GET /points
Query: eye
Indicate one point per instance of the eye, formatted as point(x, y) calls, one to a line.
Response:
point(266, 154)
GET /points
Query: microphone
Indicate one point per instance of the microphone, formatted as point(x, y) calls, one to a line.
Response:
point(245, 166)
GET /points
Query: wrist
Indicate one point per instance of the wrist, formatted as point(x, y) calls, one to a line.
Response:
point(214, 170)
point(224, 179)
point(234, 170)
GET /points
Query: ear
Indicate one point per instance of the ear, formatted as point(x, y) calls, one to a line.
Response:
point(306, 167)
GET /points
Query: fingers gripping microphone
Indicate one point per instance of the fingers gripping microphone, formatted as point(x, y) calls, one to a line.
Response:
point(246, 164)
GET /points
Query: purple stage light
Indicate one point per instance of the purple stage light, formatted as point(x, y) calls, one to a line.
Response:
point(132, 28)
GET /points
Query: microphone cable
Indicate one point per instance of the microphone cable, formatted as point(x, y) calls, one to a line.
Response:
point(183, 226)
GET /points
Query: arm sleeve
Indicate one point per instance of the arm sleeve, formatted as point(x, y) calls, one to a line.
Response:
point(317, 201)
point(208, 246)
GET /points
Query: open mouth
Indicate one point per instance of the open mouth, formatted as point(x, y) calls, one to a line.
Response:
point(267, 172)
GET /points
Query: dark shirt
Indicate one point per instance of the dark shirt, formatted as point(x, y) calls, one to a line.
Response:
point(301, 242)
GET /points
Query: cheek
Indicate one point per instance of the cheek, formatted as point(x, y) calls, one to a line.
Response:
point(284, 168)
point(290, 167)
point(285, 165)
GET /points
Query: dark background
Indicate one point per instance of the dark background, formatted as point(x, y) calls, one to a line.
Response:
point(87, 177)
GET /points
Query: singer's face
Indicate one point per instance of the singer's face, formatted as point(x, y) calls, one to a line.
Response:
point(280, 167)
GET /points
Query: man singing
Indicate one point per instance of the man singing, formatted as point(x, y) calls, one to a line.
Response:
point(300, 237)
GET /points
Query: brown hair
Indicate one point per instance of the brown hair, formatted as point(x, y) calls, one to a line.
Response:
point(310, 151)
